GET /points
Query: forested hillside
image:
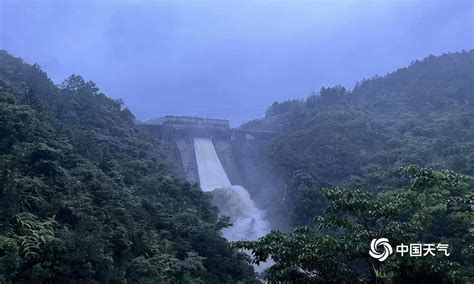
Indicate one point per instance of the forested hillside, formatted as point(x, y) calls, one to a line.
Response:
point(363, 144)
point(422, 114)
point(86, 198)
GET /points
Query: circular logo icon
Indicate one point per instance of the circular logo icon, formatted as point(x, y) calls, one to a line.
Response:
point(379, 244)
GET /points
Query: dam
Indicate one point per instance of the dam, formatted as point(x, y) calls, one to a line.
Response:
point(205, 152)
point(178, 133)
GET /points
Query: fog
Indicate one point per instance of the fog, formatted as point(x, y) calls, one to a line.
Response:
point(227, 59)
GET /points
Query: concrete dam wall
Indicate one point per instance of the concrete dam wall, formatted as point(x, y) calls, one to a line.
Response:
point(179, 133)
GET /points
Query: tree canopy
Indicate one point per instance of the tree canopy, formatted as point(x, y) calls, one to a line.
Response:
point(432, 207)
point(86, 197)
point(338, 154)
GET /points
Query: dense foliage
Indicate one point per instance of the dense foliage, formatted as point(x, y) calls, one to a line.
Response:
point(85, 197)
point(423, 115)
point(434, 207)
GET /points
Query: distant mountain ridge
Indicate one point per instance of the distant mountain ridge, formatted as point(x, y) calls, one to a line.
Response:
point(422, 114)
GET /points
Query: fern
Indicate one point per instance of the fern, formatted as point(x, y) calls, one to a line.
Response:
point(33, 234)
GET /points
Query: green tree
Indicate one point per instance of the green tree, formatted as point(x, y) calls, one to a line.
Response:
point(434, 207)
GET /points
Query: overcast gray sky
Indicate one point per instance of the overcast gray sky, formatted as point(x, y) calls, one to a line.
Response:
point(228, 59)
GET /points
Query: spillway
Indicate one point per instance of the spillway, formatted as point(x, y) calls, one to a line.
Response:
point(249, 222)
point(211, 172)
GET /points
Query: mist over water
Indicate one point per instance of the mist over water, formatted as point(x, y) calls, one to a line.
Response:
point(249, 222)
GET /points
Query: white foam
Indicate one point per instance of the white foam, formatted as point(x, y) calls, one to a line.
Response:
point(248, 221)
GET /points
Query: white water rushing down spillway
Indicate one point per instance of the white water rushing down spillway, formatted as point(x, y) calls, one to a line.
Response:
point(211, 172)
point(248, 221)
